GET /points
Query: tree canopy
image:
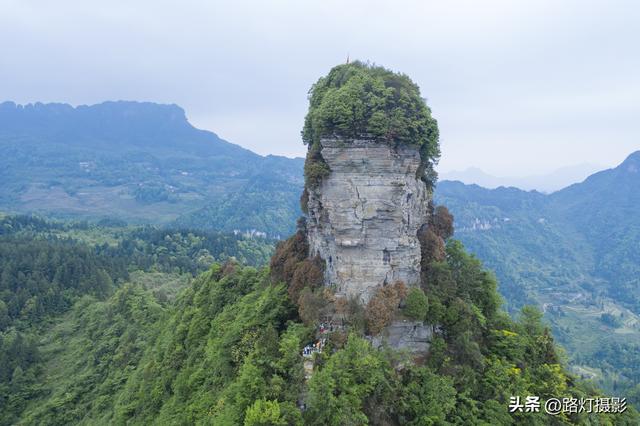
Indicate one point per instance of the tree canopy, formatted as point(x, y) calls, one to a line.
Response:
point(361, 100)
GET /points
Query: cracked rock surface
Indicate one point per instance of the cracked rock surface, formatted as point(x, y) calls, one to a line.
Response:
point(364, 217)
point(413, 336)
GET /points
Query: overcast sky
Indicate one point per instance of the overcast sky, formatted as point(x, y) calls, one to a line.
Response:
point(518, 87)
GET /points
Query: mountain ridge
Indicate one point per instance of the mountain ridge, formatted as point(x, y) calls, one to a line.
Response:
point(546, 183)
point(573, 254)
point(122, 122)
point(137, 161)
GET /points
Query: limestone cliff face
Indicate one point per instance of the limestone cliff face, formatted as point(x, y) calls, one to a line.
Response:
point(364, 217)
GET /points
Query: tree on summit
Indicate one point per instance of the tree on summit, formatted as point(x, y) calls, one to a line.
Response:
point(359, 100)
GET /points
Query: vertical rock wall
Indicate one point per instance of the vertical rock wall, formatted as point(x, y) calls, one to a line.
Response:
point(364, 217)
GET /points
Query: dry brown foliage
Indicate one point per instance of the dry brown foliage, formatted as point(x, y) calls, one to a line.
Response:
point(287, 255)
point(442, 222)
point(383, 305)
point(229, 267)
point(432, 246)
point(307, 273)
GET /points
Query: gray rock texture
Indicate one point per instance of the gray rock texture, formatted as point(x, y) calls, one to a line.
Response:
point(364, 217)
point(413, 336)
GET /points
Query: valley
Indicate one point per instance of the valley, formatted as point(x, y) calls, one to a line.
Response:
point(571, 253)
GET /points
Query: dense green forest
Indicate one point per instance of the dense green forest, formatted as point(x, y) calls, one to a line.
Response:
point(227, 351)
point(52, 271)
point(102, 324)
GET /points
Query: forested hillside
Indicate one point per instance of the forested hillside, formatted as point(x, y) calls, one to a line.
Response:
point(228, 352)
point(54, 273)
point(573, 254)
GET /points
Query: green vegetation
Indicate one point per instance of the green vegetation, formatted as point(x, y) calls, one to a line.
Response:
point(570, 253)
point(143, 163)
point(209, 358)
point(315, 169)
point(225, 347)
point(359, 385)
point(359, 100)
point(478, 359)
point(41, 278)
point(146, 247)
point(266, 204)
point(416, 304)
point(611, 320)
point(89, 355)
point(54, 323)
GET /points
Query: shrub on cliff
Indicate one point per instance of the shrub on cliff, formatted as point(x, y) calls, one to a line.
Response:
point(315, 168)
point(308, 273)
point(287, 256)
point(416, 304)
point(361, 100)
point(383, 305)
point(432, 238)
point(442, 222)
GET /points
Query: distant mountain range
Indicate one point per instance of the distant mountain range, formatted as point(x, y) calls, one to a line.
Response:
point(575, 253)
point(586, 224)
point(547, 183)
point(141, 162)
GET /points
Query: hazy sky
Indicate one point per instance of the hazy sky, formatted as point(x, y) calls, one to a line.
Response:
point(518, 87)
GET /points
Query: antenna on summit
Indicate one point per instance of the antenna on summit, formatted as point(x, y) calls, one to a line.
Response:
point(347, 58)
